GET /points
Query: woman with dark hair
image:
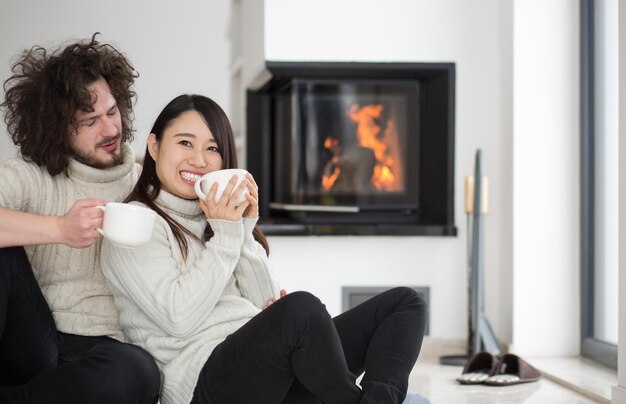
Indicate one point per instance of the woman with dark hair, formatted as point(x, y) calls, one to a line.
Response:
point(200, 296)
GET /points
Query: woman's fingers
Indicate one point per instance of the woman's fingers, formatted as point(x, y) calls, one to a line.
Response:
point(283, 293)
point(237, 193)
point(210, 197)
point(253, 198)
point(253, 183)
point(269, 302)
point(226, 207)
point(226, 195)
point(242, 207)
point(204, 207)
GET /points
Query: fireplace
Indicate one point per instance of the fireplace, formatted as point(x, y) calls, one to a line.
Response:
point(354, 148)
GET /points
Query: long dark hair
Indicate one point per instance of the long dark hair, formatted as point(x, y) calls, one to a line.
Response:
point(148, 186)
point(46, 89)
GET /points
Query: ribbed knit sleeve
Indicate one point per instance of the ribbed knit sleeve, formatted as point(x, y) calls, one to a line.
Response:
point(19, 183)
point(153, 279)
point(253, 272)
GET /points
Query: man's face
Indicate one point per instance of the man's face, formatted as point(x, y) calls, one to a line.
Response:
point(97, 141)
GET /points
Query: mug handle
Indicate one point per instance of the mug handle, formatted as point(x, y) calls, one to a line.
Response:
point(102, 208)
point(198, 189)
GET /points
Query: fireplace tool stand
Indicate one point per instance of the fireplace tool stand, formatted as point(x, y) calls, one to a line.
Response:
point(480, 336)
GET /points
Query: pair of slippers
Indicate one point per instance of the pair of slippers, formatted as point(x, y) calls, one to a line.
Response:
point(485, 368)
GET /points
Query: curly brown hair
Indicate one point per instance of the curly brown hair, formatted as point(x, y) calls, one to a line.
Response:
point(46, 89)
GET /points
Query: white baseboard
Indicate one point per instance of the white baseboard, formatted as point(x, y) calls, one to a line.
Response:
point(619, 395)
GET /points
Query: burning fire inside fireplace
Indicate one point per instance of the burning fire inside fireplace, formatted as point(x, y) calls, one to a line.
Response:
point(376, 164)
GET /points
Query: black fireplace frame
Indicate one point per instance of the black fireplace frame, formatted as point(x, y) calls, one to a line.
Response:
point(435, 216)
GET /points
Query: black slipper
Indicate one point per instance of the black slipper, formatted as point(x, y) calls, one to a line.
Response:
point(478, 368)
point(513, 370)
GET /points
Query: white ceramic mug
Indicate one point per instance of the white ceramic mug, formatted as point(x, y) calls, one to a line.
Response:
point(204, 183)
point(127, 225)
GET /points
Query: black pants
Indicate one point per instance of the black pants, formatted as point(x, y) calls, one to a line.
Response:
point(294, 352)
point(38, 364)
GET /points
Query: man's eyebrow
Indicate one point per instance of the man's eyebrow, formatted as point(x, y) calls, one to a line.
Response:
point(88, 117)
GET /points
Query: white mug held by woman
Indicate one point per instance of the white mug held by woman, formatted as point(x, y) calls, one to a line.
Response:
point(204, 183)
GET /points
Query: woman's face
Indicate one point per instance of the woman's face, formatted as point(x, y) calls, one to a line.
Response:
point(185, 153)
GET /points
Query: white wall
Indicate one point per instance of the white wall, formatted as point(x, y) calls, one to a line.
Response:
point(177, 47)
point(476, 36)
point(546, 178)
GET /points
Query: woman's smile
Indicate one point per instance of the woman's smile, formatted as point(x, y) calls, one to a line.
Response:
point(190, 177)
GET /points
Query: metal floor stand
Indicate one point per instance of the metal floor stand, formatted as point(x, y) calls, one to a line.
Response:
point(481, 336)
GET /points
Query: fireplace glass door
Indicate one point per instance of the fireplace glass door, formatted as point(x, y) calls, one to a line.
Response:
point(346, 144)
point(353, 148)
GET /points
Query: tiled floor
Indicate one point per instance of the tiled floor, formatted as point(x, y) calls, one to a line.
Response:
point(437, 383)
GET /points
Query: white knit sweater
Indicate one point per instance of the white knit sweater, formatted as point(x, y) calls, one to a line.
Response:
point(179, 310)
point(70, 278)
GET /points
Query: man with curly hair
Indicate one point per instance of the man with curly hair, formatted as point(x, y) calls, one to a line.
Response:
point(69, 112)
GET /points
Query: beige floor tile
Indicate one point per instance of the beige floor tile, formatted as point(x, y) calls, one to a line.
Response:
point(437, 383)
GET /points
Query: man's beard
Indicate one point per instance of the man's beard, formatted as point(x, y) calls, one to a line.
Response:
point(92, 161)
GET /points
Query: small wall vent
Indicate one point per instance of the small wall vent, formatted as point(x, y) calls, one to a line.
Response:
point(354, 295)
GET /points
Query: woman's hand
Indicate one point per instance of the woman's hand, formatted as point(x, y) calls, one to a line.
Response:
point(252, 211)
point(283, 293)
point(225, 208)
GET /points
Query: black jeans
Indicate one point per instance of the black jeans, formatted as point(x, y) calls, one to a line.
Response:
point(294, 352)
point(38, 364)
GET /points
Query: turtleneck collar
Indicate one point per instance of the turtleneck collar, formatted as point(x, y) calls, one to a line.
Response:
point(86, 173)
point(189, 208)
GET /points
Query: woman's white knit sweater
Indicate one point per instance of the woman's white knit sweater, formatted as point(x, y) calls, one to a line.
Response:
point(70, 278)
point(179, 310)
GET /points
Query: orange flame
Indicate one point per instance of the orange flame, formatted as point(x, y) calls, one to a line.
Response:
point(329, 178)
point(387, 174)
